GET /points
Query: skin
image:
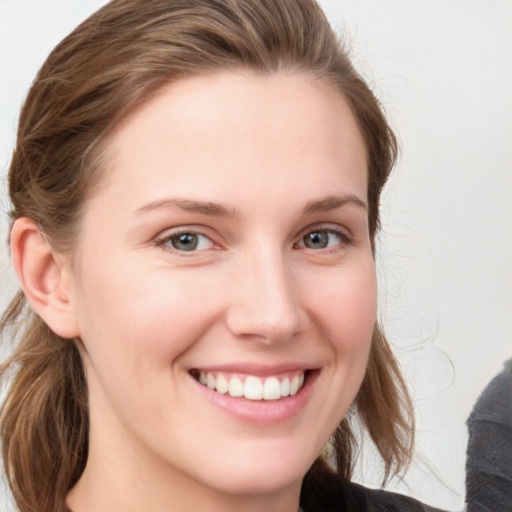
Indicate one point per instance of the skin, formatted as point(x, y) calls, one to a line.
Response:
point(253, 294)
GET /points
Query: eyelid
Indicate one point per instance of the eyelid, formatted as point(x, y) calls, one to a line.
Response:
point(325, 226)
point(346, 237)
point(165, 236)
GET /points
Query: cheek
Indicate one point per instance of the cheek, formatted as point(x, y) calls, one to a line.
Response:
point(348, 306)
point(147, 315)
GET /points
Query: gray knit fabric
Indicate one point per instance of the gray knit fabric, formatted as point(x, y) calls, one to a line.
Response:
point(489, 453)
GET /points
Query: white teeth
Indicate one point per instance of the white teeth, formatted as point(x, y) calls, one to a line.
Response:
point(294, 385)
point(253, 388)
point(236, 387)
point(272, 389)
point(210, 381)
point(285, 387)
point(222, 384)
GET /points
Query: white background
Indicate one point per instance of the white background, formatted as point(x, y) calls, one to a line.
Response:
point(443, 70)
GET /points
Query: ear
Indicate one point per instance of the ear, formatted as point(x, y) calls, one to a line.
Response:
point(44, 277)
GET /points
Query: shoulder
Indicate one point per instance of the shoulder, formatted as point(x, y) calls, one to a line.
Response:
point(378, 500)
point(493, 405)
point(488, 461)
point(327, 492)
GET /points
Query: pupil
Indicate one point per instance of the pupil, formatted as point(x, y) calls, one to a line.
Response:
point(185, 242)
point(316, 240)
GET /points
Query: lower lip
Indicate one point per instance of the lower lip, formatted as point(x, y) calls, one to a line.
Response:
point(262, 411)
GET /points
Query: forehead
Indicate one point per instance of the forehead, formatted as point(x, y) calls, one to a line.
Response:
point(253, 128)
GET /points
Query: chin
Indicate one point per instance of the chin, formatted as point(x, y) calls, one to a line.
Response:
point(261, 483)
point(263, 474)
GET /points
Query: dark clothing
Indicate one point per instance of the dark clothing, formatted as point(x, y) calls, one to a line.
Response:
point(329, 494)
point(376, 500)
point(356, 498)
point(489, 453)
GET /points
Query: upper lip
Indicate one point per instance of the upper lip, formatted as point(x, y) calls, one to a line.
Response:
point(259, 370)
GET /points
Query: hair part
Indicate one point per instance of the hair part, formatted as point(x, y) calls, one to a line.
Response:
point(110, 65)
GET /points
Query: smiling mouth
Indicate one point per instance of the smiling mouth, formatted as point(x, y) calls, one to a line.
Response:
point(252, 387)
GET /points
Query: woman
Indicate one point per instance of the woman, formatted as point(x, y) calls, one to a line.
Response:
point(195, 192)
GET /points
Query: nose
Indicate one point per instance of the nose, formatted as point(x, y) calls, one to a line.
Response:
point(265, 303)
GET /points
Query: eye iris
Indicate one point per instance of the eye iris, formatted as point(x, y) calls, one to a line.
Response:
point(316, 240)
point(185, 242)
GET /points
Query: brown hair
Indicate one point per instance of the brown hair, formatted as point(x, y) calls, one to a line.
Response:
point(111, 64)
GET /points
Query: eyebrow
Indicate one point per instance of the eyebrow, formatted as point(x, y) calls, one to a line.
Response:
point(332, 202)
point(325, 204)
point(189, 205)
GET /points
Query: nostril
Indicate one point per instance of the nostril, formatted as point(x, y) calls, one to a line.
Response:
point(264, 304)
point(274, 327)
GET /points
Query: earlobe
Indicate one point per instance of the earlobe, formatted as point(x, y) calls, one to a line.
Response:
point(42, 276)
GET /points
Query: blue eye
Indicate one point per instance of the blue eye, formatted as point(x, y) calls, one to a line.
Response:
point(188, 242)
point(322, 239)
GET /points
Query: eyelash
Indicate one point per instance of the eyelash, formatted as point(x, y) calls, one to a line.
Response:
point(343, 237)
point(167, 238)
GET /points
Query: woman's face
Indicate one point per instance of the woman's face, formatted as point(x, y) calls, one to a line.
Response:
point(226, 253)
